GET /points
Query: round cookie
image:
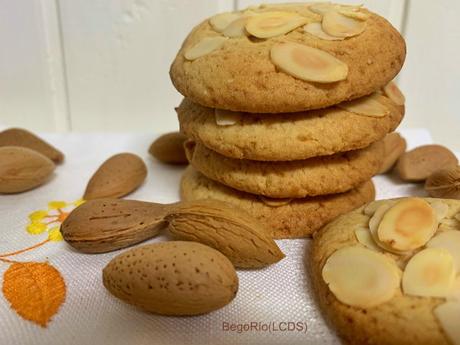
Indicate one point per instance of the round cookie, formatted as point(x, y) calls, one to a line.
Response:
point(239, 75)
point(283, 137)
point(294, 179)
point(286, 218)
point(402, 319)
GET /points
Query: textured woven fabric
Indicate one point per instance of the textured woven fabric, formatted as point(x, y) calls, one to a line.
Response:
point(270, 302)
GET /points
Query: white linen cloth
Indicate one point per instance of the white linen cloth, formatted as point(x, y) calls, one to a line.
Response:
point(90, 315)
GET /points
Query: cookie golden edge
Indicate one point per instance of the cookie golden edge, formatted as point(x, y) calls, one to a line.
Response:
point(285, 137)
point(297, 219)
point(294, 179)
point(404, 320)
point(218, 80)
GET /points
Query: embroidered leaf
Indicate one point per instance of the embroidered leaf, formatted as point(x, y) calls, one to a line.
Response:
point(53, 205)
point(35, 290)
point(37, 215)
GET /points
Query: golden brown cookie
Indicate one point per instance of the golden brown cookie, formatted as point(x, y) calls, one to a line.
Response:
point(294, 179)
point(286, 218)
point(283, 137)
point(249, 73)
point(376, 310)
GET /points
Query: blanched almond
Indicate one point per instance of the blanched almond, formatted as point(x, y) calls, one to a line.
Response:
point(361, 277)
point(222, 20)
point(226, 117)
point(275, 202)
point(450, 241)
point(407, 225)
point(430, 273)
point(374, 223)
point(205, 46)
point(338, 25)
point(353, 13)
point(370, 209)
point(236, 28)
point(394, 93)
point(316, 30)
point(271, 24)
point(364, 237)
point(308, 63)
point(448, 315)
point(368, 106)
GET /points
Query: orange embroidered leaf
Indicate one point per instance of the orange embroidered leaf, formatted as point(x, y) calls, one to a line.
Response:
point(35, 290)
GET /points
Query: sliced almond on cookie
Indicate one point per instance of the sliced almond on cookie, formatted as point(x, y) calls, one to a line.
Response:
point(322, 8)
point(450, 241)
point(226, 117)
point(364, 237)
point(353, 13)
point(368, 106)
point(308, 63)
point(271, 24)
point(275, 202)
point(222, 20)
point(370, 208)
point(430, 273)
point(440, 208)
point(394, 93)
point(448, 315)
point(361, 277)
point(407, 225)
point(336, 24)
point(316, 30)
point(236, 28)
point(204, 47)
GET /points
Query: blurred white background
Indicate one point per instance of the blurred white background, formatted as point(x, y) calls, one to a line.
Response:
point(102, 65)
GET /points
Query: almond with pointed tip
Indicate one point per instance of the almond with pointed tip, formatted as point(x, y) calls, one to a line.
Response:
point(230, 230)
point(116, 177)
point(24, 138)
point(271, 24)
point(169, 148)
point(204, 47)
point(22, 169)
point(172, 278)
point(339, 25)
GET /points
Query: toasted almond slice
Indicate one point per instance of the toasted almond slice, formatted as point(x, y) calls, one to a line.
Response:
point(430, 273)
point(392, 91)
point(222, 20)
point(364, 237)
point(226, 117)
point(368, 106)
point(370, 209)
point(450, 241)
point(204, 47)
point(407, 225)
point(361, 277)
point(440, 208)
point(316, 30)
point(275, 202)
point(353, 13)
point(271, 24)
point(308, 63)
point(236, 28)
point(338, 25)
point(454, 294)
point(448, 315)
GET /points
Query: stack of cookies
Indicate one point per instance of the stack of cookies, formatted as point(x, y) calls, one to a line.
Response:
point(286, 107)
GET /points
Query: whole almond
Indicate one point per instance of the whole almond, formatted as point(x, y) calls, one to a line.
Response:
point(116, 177)
point(103, 225)
point(172, 278)
point(24, 138)
point(444, 183)
point(418, 164)
point(394, 145)
point(230, 230)
point(169, 148)
point(22, 169)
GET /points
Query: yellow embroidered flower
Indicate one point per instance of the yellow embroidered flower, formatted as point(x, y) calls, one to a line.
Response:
point(50, 220)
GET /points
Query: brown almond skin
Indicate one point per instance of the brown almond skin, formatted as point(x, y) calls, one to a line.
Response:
point(24, 138)
point(444, 183)
point(22, 169)
point(417, 165)
point(103, 225)
point(232, 231)
point(116, 177)
point(394, 146)
point(169, 148)
point(172, 278)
